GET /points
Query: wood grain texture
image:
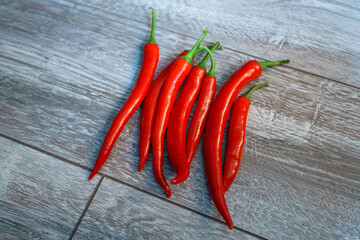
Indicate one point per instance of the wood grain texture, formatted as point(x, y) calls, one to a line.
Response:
point(67, 69)
point(121, 212)
point(318, 36)
point(40, 197)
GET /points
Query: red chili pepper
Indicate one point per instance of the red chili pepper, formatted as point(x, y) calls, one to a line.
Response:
point(137, 95)
point(176, 130)
point(197, 125)
point(236, 137)
point(149, 111)
point(177, 73)
point(215, 127)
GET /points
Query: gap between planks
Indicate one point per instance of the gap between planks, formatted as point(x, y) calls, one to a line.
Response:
point(86, 208)
point(121, 182)
point(231, 49)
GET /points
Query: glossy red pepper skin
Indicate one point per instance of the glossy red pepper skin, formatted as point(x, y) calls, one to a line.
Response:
point(177, 74)
point(149, 111)
point(176, 131)
point(137, 95)
point(207, 93)
point(236, 140)
point(214, 132)
point(236, 137)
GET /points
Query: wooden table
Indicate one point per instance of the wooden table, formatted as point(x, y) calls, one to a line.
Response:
point(66, 68)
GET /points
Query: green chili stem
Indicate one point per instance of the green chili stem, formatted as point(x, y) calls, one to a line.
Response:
point(201, 49)
point(190, 55)
point(152, 34)
point(205, 59)
point(211, 72)
point(272, 63)
point(247, 95)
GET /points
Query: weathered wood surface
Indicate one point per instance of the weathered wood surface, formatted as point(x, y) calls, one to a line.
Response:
point(41, 197)
point(319, 36)
point(122, 212)
point(67, 68)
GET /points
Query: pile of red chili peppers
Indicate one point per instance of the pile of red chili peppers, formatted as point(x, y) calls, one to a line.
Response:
point(164, 113)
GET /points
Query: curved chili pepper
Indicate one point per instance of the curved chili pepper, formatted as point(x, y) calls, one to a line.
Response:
point(149, 111)
point(215, 127)
point(176, 130)
point(137, 95)
point(197, 125)
point(176, 75)
point(236, 137)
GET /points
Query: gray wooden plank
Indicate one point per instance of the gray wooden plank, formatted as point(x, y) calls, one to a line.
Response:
point(121, 212)
point(319, 36)
point(40, 196)
point(60, 94)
